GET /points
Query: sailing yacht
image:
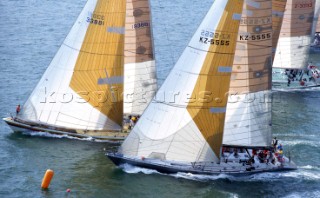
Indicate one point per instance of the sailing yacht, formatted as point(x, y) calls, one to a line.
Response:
point(217, 118)
point(290, 66)
point(103, 72)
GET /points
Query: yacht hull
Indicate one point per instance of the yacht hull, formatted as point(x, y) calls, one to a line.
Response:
point(171, 168)
point(27, 127)
point(280, 80)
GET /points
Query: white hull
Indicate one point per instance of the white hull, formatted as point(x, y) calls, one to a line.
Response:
point(280, 80)
point(17, 126)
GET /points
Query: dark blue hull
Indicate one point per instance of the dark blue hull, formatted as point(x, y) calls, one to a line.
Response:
point(118, 160)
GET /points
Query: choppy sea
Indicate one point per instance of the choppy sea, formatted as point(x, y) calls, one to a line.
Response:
point(30, 34)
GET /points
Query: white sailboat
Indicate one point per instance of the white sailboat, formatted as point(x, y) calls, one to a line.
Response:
point(198, 128)
point(290, 66)
point(103, 71)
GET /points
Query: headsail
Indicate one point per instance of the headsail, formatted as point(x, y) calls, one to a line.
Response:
point(185, 121)
point(248, 117)
point(295, 37)
point(140, 75)
point(81, 89)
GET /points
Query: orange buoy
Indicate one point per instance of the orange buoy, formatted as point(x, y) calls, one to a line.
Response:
point(47, 178)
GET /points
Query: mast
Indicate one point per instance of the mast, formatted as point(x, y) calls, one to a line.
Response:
point(295, 36)
point(140, 82)
point(248, 117)
point(187, 115)
point(81, 88)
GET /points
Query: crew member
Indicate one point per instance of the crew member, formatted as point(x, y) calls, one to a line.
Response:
point(18, 109)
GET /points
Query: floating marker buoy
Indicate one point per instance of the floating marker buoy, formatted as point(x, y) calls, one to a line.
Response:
point(47, 179)
point(68, 190)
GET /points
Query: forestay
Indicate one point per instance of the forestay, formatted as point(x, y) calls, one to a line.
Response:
point(185, 121)
point(295, 36)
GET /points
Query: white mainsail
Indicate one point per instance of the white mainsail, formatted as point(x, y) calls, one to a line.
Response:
point(82, 88)
point(185, 120)
point(292, 50)
point(248, 117)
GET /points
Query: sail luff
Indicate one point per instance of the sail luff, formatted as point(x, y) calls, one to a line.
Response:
point(248, 117)
point(172, 127)
point(295, 37)
point(140, 73)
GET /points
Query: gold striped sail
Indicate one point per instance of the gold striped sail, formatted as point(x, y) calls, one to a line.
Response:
point(82, 90)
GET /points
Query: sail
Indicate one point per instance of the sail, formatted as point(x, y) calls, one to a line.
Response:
point(295, 36)
point(82, 87)
point(185, 120)
point(316, 21)
point(139, 70)
point(278, 8)
point(248, 117)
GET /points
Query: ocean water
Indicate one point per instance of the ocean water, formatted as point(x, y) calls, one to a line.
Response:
point(32, 31)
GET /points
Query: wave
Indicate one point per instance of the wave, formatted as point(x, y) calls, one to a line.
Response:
point(298, 89)
point(134, 169)
point(310, 167)
point(303, 173)
point(294, 135)
point(50, 135)
point(190, 176)
point(300, 142)
point(305, 194)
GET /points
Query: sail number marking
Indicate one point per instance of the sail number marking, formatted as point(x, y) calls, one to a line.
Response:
point(303, 5)
point(214, 38)
point(254, 37)
point(141, 25)
point(95, 19)
point(256, 21)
